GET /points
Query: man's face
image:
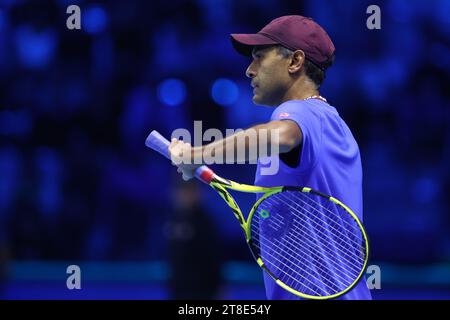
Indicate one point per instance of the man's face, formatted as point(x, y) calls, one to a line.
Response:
point(269, 74)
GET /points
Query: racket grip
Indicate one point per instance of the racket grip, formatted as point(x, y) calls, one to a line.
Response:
point(160, 144)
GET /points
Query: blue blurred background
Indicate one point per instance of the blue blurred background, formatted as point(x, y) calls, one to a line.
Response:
point(78, 186)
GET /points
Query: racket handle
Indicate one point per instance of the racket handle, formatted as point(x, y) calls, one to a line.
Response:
point(160, 144)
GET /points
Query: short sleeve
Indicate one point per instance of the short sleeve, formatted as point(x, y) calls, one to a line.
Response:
point(309, 122)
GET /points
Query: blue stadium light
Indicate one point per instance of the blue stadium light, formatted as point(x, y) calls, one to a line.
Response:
point(172, 92)
point(224, 92)
point(94, 20)
point(400, 11)
point(35, 49)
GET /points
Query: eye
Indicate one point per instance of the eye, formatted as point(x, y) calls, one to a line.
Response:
point(257, 55)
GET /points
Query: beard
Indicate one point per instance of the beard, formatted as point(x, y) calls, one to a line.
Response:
point(270, 96)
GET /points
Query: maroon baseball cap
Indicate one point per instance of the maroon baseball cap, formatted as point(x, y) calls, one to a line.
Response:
point(292, 32)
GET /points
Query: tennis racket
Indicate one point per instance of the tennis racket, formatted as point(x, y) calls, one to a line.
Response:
point(311, 244)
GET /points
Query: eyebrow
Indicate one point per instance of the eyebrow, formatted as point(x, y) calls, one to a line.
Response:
point(255, 50)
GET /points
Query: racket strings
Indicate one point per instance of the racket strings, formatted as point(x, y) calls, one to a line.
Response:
point(310, 249)
point(330, 238)
point(311, 252)
point(293, 254)
point(339, 265)
point(326, 217)
point(299, 268)
point(333, 213)
point(327, 241)
point(294, 276)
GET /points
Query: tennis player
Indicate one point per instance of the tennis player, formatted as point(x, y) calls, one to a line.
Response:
point(316, 148)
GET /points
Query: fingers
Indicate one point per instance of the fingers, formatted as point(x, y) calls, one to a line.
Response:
point(187, 175)
point(176, 151)
point(179, 150)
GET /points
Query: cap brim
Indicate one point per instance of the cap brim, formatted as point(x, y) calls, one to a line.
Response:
point(244, 43)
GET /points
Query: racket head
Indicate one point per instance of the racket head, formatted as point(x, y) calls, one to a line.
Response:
point(311, 244)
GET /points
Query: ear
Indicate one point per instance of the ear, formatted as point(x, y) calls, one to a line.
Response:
point(297, 60)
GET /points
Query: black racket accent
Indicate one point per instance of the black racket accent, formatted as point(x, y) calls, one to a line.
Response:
point(290, 188)
point(269, 272)
point(319, 193)
point(221, 181)
point(254, 249)
point(226, 196)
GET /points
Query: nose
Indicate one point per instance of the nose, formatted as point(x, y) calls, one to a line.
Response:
point(250, 72)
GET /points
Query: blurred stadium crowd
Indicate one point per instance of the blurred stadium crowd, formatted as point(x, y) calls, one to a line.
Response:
point(77, 183)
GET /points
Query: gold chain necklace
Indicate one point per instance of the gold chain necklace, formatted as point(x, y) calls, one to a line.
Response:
point(317, 97)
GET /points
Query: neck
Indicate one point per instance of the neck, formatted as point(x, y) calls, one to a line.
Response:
point(300, 90)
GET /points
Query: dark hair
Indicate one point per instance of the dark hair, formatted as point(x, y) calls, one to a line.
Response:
point(316, 74)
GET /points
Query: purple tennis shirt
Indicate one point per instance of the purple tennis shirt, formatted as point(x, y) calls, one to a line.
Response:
point(330, 162)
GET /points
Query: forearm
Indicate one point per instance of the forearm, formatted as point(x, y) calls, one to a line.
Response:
point(245, 146)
